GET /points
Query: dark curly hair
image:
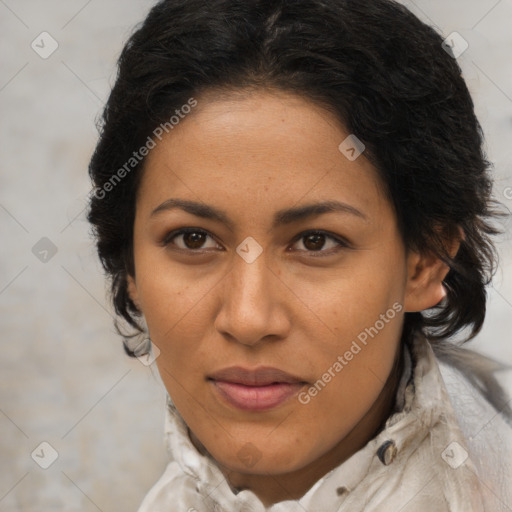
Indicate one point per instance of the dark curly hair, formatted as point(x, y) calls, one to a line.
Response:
point(377, 67)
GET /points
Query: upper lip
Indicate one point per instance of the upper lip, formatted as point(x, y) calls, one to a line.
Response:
point(262, 376)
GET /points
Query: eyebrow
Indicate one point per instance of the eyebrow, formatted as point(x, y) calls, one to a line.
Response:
point(282, 217)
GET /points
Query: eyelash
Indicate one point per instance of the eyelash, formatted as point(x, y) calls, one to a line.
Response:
point(342, 244)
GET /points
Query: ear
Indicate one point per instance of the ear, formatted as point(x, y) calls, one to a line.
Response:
point(425, 274)
point(132, 291)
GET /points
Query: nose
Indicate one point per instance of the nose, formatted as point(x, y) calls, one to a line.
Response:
point(253, 307)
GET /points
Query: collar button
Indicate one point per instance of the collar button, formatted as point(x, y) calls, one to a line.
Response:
point(387, 452)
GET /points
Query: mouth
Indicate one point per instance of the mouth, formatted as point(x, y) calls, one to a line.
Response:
point(255, 390)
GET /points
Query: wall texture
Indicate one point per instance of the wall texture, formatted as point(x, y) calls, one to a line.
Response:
point(64, 380)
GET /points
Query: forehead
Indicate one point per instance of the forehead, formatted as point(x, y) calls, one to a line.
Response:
point(259, 151)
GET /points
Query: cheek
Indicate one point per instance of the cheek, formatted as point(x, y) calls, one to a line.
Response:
point(345, 303)
point(354, 330)
point(177, 314)
point(350, 371)
point(173, 298)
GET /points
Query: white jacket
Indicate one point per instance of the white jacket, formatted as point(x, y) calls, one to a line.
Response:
point(446, 449)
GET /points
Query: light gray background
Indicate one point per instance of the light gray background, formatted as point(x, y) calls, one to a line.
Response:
point(64, 378)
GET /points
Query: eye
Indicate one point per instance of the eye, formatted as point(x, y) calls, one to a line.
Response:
point(319, 242)
point(190, 239)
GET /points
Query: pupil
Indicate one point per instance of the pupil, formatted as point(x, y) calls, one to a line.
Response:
point(194, 240)
point(314, 242)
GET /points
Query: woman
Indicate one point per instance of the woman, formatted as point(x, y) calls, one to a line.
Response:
point(292, 202)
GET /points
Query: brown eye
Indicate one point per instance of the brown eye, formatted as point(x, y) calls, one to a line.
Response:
point(314, 242)
point(191, 239)
point(319, 242)
point(194, 239)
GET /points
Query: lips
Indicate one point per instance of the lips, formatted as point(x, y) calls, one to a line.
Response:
point(255, 390)
point(259, 377)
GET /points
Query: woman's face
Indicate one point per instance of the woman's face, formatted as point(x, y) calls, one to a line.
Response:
point(278, 312)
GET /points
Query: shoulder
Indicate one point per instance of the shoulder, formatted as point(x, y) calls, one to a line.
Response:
point(487, 433)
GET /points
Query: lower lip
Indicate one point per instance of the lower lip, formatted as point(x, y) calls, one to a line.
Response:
point(256, 398)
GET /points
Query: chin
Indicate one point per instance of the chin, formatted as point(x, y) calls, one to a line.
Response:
point(249, 459)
